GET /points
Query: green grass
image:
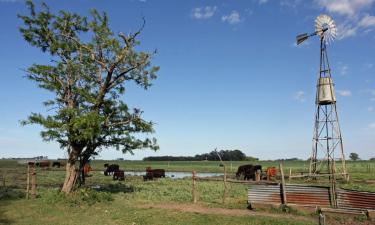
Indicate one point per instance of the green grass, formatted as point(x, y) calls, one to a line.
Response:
point(51, 208)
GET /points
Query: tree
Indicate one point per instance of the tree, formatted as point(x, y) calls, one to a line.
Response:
point(89, 68)
point(353, 156)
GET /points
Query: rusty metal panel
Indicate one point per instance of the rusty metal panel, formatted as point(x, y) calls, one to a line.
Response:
point(307, 195)
point(355, 199)
point(264, 194)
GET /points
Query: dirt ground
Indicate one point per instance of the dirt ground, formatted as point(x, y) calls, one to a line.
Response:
point(197, 208)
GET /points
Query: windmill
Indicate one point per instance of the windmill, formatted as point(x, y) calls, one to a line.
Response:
point(327, 150)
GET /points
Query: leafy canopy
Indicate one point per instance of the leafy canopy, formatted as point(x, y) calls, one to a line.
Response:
point(89, 68)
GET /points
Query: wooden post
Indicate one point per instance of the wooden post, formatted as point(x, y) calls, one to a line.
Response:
point(33, 183)
point(283, 186)
point(28, 182)
point(225, 184)
point(257, 176)
point(290, 174)
point(194, 192)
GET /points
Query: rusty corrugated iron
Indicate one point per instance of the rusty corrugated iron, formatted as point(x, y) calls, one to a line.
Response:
point(355, 199)
point(307, 195)
point(264, 194)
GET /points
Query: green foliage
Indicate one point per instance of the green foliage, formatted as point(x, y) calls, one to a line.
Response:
point(87, 77)
point(354, 156)
point(226, 155)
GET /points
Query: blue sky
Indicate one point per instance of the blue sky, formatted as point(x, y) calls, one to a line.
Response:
point(231, 76)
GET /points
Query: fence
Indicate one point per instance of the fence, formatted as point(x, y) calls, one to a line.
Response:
point(310, 196)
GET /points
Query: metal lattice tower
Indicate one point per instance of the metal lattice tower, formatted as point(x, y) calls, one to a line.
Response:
point(327, 149)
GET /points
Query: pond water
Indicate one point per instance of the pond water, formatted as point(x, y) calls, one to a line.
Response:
point(175, 175)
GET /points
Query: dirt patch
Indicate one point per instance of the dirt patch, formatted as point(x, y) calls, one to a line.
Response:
point(196, 208)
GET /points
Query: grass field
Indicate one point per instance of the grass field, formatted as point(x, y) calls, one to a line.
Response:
point(164, 201)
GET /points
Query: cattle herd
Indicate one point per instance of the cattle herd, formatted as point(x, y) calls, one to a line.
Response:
point(118, 174)
point(246, 172)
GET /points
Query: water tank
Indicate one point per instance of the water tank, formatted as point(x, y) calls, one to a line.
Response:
point(325, 92)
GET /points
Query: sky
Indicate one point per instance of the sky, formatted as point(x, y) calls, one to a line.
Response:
point(231, 75)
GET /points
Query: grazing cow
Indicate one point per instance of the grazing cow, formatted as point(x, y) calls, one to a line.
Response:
point(248, 171)
point(106, 165)
point(43, 164)
point(241, 170)
point(56, 164)
point(111, 169)
point(86, 169)
point(119, 175)
point(153, 173)
point(271, 172)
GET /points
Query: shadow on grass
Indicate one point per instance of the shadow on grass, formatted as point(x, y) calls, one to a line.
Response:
point(114, 188)
point(11, 193)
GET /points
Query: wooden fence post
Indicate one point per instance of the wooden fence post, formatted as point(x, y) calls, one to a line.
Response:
point(290, 174)
point(225, 184)
point(28, 182)
point(283, 186)
point(33, 183)
point(257, 176)
point(194, 192)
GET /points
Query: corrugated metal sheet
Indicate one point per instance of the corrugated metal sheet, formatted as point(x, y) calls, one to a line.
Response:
point(355, 199)
point(264, 194)
point(307, 195)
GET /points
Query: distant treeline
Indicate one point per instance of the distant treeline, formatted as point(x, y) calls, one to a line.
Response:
point(226, 155)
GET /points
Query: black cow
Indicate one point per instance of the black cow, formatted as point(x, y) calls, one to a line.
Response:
point(248, 171)
point(56, 163)
point(241, 170)
point(110, 169)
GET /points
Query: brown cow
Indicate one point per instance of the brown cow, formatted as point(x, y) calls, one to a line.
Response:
point(153, 173)
point(119, 175)
point(43, 164)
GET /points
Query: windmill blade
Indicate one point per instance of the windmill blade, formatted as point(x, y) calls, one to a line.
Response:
point(325, 27)
point(301, 38)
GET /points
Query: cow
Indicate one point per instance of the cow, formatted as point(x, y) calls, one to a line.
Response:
point(43, 164)
point(271, 172)
point(110, 169)
point(56, 164)
point(119, 175)
point(248, 171)
point(86, 169)
point(241, 170)
point(153, 173)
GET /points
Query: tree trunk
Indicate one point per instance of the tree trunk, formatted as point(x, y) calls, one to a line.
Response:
point(70, 177)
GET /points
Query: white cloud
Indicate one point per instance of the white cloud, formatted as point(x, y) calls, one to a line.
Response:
point(300, 96)
point(345, 7)
point(346, 29)
point(233, 18)
point(290, 3)
point(344, 93)
point(262, 2)
point(367, 21)
point(370, 109)
point(371, 125)
point(343, 69)
point(204, 12)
